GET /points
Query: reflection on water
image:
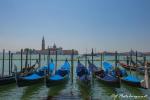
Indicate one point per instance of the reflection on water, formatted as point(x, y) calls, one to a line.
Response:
point(5, 88)
point(55, 90)
point(30, 90)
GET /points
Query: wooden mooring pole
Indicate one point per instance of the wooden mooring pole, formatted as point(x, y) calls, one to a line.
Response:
point(48, 61)
point(101, 60)
point(26, 63)
point(72, 59)
point(136, 55)
point(56, 61)
point(39, 60)
point(9, 61)
point(21, 59)
point(86, 58)
point(116, 58)
point(3, 63)
point(30, 57)
point(92, 56)
point(127, 60)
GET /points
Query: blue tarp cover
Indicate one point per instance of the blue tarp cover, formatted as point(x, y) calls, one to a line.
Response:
point(107, 66)
point(56, 77)
point(66, 66)
point(132, 78)
point(32, 77)
point(92, 68)
point(51, 67)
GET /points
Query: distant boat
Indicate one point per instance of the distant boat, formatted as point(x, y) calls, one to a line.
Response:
point(83, 75)
point(34, 78)
point(61, 75)
point(128, 67)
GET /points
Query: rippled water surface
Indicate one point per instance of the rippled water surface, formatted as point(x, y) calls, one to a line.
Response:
point(69, 91)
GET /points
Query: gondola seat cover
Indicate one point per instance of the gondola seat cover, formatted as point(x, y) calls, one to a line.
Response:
point(32, 77)
point(56, 77)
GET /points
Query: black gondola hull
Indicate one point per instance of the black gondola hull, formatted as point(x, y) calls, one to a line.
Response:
point(115, 83)
point(7, 80)
point(23, 82)
point(135, 84)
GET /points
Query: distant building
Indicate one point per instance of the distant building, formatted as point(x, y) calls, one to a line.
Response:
point(43, 44)
point(53, 49)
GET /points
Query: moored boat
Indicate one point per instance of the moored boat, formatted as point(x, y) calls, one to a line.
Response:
point(128, 67)
point(34, 78)
point(61, 75)
point(132, 80)
point(105, 75)
point(83, 75)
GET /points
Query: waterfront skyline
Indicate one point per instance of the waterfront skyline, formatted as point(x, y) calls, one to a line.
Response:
point(104, 25)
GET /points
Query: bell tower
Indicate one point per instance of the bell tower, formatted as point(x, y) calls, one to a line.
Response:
point(43, 44)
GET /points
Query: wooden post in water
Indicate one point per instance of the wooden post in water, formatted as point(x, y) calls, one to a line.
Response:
point(26, 63)
point(39, 60)
point(72, 57)
point(92, 56)
point(30, 57)
point(101, 60)
point(86, 59)
point(21, 59)
point(146, 76)
point(3, 63)
point(116, 59)
point(9, 61)
point(136, 58)
point(144, 59)
point(48, 59)
point(128, 60)
point(56, 61)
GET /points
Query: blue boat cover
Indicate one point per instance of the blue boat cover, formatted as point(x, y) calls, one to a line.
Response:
point(32, 77)
point(81, 70)
point(132, 78)
point(56, 77)
point(51, 67)
point(107, 66)
point(64, 69)
point(65, 66)
point(92, 68)
point(80, 67)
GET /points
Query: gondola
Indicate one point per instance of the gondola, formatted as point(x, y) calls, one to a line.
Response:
point(132, 80)
point(61, 75)
point(128, 67)
point(105, 76)
point(34, 78)
point(83, 75)
point(8, 79)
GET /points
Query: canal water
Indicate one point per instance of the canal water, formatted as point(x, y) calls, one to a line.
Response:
point(70, 91)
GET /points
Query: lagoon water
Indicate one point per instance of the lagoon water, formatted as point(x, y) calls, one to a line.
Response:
point(70, 91)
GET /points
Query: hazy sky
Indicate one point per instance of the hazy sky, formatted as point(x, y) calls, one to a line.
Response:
point(79, 24)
